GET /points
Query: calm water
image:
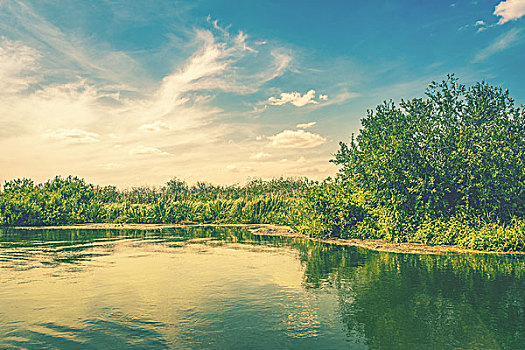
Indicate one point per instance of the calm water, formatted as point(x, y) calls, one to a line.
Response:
point(226, 288)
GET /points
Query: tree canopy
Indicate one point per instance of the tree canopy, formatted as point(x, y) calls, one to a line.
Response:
point(459, 151)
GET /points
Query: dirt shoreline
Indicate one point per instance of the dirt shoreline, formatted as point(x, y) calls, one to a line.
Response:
point(285, 231)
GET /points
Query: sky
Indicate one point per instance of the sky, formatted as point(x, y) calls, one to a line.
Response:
point(134, 93)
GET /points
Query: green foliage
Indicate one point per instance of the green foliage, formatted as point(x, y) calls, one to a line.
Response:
point(447, 169)
point(328, 209)
point(56, 202)
point(473, 234)
point(72, 201)
point(461, 150)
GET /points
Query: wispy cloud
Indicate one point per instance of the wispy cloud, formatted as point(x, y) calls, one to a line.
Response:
point(72, 136)
point(216, 26)
point(337, 99)
point(260, 155)
point(240, 39)
point(296, 139)
point(510, 10)
point(502, 43)
point(93, 59)
point(156, 126)
point(127, 135)
point(305, 125)
point(146, 151)
point(281, 62)
point(18, 65)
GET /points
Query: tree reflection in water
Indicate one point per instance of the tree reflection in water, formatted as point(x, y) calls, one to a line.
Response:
point(386, 300)
point(422, 301)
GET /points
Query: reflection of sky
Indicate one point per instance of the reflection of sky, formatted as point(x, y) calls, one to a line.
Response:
point(200, 293)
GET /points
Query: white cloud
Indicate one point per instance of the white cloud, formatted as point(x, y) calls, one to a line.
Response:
point(504, 42)
point(18, 64)
point(510, 10)
point(72, 136)
point(481, 25)
point(69, 85)
point(144, 150)
point(181, 105)
point(296, 139)
point(260, 155)
point(155, 126)
point(294, 98)
point(305, 125)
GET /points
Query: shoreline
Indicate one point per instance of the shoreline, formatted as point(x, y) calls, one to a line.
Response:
point(286, 231)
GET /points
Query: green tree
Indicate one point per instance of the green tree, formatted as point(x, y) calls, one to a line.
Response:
point(458, 152)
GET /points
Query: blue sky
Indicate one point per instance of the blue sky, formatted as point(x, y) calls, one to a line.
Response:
point(137, 92)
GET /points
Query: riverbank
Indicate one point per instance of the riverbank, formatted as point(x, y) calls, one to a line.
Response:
point(285, 231)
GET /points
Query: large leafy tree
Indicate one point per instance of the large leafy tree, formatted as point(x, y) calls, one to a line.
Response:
point(458, 152)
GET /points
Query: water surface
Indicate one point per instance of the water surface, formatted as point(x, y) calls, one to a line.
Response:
point(226, 288)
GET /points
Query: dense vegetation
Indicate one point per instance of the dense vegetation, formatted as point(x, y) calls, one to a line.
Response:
point(71, 200)
point(445, 169)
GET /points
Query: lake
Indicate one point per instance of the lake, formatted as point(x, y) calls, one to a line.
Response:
point(226, 288)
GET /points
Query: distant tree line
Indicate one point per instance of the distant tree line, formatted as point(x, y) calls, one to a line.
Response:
point(70, 200)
